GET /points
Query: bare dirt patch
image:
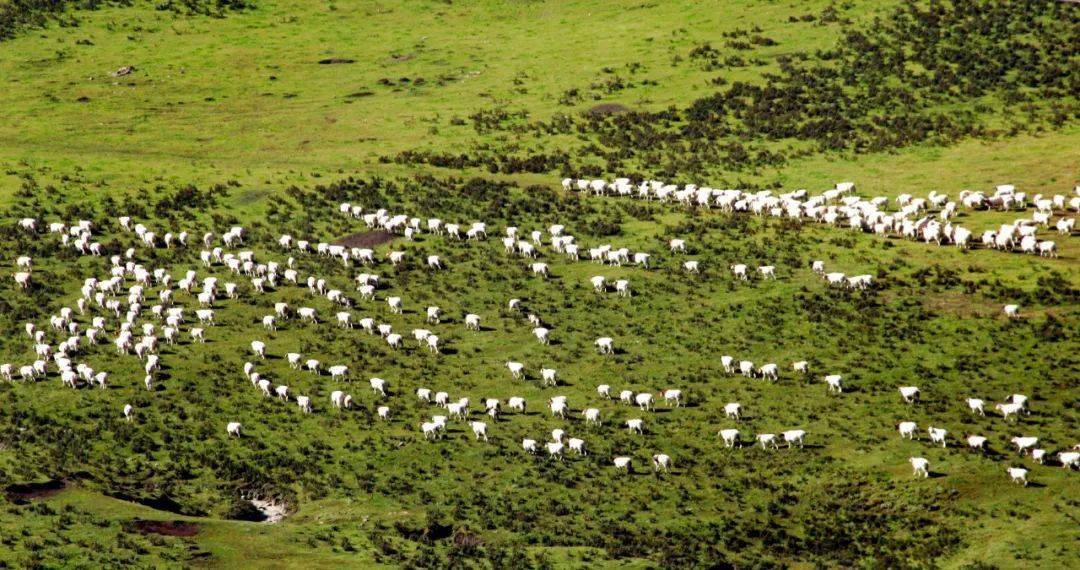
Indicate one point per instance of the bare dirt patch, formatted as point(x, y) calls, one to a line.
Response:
point(605, 109)
point(167, 528)
point(25, 492)
point(366, 239)
point(336, 60)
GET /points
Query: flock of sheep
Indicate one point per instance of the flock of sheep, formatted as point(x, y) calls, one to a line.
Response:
point(118, 302)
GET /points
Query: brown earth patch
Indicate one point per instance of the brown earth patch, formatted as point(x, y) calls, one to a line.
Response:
point(333, 60)
point(366, 239)
point(167, 528)
point(605, 109)
point(25, 492)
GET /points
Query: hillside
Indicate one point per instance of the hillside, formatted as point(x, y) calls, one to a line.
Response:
point(269, 115)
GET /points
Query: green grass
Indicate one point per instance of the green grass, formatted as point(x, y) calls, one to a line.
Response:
point(202, 110)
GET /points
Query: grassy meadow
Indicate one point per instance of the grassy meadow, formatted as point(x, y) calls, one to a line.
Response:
point(231, 119)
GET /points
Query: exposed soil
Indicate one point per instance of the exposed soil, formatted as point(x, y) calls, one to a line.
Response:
point(333, 60)
point(167, 528)
point(366, 239)
point(26, 492)
point(605, 109)
point(272, 510)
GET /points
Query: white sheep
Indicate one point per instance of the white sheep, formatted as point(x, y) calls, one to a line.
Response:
point(1018, 475)
point(833, 382)
point(920, 467)
point(767, 439)
point(730, 437)
point(378, 385)
point(937, 435)
point(577, 445)
point(622, 463)
point(976, 406)
point(1023, 443)
point(732, 410)
point(1009, 409)
point(606, 345)
point(910, 394)
point(635, 425)
point(472, 322)
point(661, 461)
point(517, 369)
point(233, 428)
point(672, 394)
point(794, 436)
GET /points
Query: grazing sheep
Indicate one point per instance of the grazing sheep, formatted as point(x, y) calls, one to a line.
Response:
point(976, 442)
point(577, 445)
point(833, 382)
point(472, 322)
point(378, 385)
point(1018, 475)
point(910, 394)
point(920, 467)
point(732, 411)
point(1023, 443)
point(730, 437)
point(1009, 409)
point(768, 439)
point(622, 463)
point(529, 445)
point(233, 428)
point(517, 369)
point(1069, 459)
point(739, 271)
point(635, 425)
point(661, 461)
point(908, 430)
point(937, 435)
point(976, 406)
point(794, 436)
point(670, 395)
